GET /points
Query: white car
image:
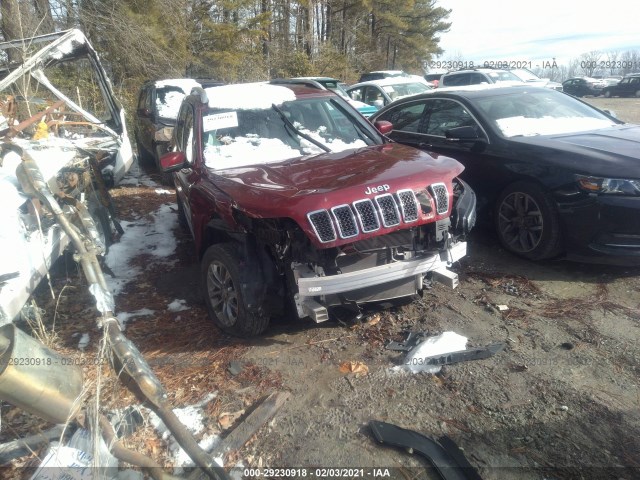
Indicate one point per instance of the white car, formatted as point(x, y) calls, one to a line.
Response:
point(382, 92)
point(531, 78)
point(72, 128)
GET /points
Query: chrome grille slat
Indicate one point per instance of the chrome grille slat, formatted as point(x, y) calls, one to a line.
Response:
point(367, 215)
point(441, 197)
point(346, 221)
point(408, 205)
point(388, 210)
point(371, 214)
point(323, 226)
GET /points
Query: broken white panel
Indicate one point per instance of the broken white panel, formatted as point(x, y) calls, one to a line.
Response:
point(446, 342)
point(77, 460)
point(33, 249)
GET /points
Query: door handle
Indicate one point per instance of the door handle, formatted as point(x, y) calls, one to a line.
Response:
point(425, 145)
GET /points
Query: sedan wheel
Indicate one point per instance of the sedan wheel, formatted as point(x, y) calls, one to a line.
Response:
point(607, 94)
point(527, 222)
point(638, 93)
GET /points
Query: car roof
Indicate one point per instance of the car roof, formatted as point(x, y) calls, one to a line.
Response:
point(260, 94)
point(481, 70)
point(386, 81)
point(477, 91)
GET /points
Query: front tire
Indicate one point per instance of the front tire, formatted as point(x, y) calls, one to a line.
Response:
point(527, 222)
point(226, 277)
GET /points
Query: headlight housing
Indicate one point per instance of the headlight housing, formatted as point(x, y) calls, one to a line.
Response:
point(616, 186)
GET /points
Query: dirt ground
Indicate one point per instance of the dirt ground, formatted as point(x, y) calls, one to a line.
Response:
point(560, 401)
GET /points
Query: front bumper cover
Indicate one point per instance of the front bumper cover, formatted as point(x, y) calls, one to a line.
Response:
point(311, 285)
point(312, 288)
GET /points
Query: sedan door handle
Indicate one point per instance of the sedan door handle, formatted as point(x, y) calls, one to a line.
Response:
point(425, 145)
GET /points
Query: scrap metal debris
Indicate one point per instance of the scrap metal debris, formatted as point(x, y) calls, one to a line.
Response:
point(444, 454)
point(429, 354)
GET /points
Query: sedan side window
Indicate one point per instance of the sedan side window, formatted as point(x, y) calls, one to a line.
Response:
point(441, 115)
point(405, 118)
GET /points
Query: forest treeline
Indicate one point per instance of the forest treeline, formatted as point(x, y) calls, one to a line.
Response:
point(239, 40)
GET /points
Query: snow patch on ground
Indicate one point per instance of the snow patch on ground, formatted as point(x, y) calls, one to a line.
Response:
point(163, 191)
point(84, 341)
point(192, 418)
point(124, 317)
point(154, 238)
point(178, 305)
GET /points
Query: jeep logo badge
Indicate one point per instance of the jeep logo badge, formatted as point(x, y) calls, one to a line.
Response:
point(378, 189)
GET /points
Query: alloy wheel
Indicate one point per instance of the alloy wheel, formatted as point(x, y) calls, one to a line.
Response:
point(222, 292)
point(520, 222)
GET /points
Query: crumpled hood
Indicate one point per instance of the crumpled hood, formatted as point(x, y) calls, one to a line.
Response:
point(611, 152)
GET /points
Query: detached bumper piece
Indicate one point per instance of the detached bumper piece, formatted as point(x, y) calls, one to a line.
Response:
point(444, 455)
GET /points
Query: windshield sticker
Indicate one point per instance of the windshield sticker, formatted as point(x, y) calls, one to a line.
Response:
point(388, 88)
point(219, 120)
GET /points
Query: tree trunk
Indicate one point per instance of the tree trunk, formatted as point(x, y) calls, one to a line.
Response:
point(12, 27)
point(44, 18)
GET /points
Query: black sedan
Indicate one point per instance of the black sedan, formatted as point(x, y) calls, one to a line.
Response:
point(581, 86)
point(555, 175)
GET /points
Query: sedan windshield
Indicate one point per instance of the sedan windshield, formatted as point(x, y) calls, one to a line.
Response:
point(540, 112)
point(234, 138)
point(400, 90)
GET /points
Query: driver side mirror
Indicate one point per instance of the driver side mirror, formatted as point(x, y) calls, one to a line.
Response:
point(172, 162)
point(383, 126)
point(461, 134)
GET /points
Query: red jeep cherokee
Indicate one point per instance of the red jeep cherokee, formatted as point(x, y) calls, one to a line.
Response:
point(293, 198)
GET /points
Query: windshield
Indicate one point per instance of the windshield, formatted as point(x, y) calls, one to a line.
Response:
point(168, 100)
point(235, 137)
point(540, 112)
point(400, 90)
point(526, 76)
point(335, 87)
point(504, 76)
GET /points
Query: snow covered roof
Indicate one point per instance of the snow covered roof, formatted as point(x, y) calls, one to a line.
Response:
point(248, 96)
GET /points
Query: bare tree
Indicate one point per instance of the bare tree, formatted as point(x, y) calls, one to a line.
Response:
point(590, 62)
point(612, 62)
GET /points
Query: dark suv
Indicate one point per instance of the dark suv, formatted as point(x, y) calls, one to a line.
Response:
point(158, 105)
point(295, 200)
point(629, 86)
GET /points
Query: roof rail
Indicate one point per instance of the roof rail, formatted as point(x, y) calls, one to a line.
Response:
point(201, 93)
point(297, 81)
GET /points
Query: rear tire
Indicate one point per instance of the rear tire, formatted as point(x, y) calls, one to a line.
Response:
point(182, 217)
point(607, 94)
point(225, 278)
point(527, 222)
point(144, 157)
point(159, 151)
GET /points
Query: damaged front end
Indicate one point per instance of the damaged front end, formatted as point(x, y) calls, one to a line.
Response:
point(397, 258)
point(389, 266)
point(58, 109)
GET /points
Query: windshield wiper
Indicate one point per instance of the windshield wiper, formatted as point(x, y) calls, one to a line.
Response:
point(288, 123)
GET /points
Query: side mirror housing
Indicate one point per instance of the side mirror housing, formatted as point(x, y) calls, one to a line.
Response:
point(461, 134)
point(172, 162)
point(383, 126)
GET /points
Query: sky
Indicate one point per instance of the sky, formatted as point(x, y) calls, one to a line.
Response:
point(538, 31)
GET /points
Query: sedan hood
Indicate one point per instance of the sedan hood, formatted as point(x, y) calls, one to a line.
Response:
point(608, 152)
